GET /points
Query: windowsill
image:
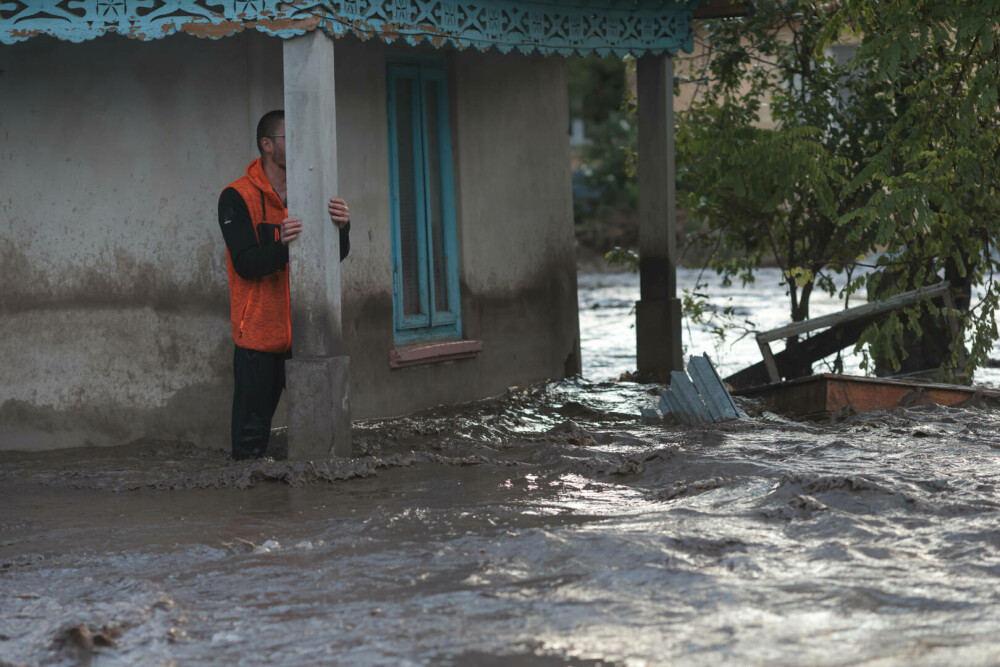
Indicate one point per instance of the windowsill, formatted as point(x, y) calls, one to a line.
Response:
point(433, 353)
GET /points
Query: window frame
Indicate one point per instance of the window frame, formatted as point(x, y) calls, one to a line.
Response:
point(431, 323)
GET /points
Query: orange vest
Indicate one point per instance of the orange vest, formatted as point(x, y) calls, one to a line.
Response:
point(259, 307)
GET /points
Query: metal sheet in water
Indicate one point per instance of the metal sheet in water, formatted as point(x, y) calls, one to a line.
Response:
point(712, 389)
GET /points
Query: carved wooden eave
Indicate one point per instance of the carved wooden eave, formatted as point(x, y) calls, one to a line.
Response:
point(633, 27)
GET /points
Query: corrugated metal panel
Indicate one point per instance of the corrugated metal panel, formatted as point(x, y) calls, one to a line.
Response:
point(698, 398)
point(713, 389)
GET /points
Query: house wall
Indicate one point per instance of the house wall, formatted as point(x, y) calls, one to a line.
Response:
point(514, 208)
point(115, 307)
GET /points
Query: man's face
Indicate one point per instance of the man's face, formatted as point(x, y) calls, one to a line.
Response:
point(274, 147)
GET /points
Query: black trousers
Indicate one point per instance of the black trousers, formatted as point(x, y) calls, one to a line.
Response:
point(259, 379)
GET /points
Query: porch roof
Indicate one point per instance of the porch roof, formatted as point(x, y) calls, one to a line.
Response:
point(618, 27)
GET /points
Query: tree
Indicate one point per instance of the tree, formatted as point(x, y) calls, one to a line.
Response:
point(596, 88)
point(599, 95)
point(934, 159)
point(892, 151)
point(766, 150)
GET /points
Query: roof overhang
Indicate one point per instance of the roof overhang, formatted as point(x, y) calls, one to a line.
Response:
point(635, 27)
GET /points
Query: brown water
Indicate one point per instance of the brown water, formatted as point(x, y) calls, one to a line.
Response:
point(545, 527)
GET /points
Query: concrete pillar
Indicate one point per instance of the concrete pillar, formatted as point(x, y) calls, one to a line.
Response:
point(319, 417)
point(658, 312)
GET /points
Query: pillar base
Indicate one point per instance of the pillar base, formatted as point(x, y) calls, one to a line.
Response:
point(319, 408)
point(658, 338)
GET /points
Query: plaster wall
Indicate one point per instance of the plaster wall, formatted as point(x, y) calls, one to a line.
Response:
point(509, 117)
point(115, 306)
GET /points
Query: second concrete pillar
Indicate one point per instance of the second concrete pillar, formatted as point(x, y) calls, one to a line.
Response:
point(658, 312)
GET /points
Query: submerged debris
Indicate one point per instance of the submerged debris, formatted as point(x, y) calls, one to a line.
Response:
point(83, 638)
point(698, 396)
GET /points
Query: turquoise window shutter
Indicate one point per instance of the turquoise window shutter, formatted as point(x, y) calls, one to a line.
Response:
point(424, 244)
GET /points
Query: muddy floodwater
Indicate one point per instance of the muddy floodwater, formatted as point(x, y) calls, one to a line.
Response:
point(546, 526)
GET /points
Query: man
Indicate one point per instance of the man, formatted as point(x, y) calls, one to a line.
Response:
point(253, 215)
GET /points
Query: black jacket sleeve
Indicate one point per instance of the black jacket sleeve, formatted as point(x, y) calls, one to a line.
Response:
point(250, 258)
point(345, 240)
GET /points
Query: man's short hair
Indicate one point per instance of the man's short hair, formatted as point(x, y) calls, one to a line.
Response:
point(268, 125)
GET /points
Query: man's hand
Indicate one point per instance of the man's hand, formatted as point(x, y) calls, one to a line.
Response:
point(290, 230)
point(339, 213)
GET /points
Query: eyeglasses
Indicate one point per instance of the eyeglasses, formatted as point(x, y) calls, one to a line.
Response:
point(275, 136)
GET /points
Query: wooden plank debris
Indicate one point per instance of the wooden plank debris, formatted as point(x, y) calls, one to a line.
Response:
point(830, 396)
point(814, 348)
point(868, 312)
point(868, 309)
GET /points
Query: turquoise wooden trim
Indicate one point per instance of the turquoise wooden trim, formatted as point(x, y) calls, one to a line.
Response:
point(424, 319)
point(621, 27)
point(420, 183)
point(432, 324)
point(395, 242)
point(451, 315)
point(426, 75)
point(429, 335)
point(394, 74)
